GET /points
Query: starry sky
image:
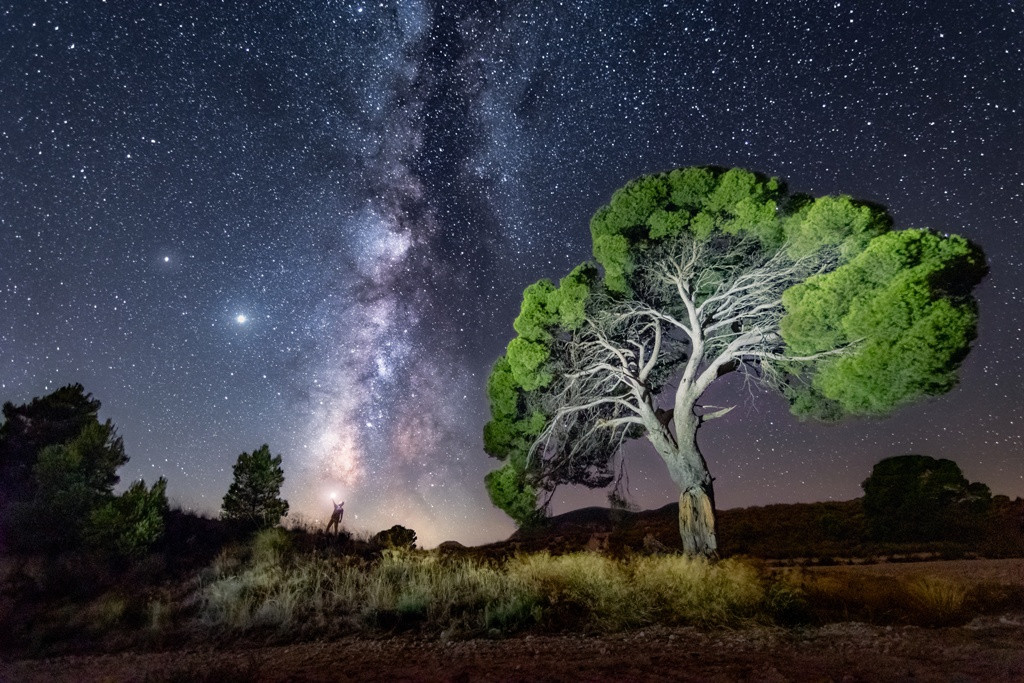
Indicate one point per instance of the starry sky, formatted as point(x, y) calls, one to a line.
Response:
point(309, 224)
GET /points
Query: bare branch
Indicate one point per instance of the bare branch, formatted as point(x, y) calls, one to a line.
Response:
point(698, 309)
point(716, 414)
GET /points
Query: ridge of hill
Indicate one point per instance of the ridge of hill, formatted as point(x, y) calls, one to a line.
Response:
point(823, 531)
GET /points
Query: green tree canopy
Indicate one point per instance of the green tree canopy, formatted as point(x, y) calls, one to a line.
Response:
point(130, 524)
point(700, 272)
point(253, 497)
point(71, 478)
point(27, 429)
point(920, 498)
point(92, 459)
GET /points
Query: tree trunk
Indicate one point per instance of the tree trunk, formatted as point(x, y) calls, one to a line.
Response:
point(697, 520)
point(686, 464)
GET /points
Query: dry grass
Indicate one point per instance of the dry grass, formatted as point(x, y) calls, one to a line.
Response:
point(410, 589)
point(269, 590)
point(898, 598)
point(578, 591)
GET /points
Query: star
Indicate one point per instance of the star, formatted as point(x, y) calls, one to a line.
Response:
point(392, 180)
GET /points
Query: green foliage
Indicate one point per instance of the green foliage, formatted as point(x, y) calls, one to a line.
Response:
point(903, 304)
point(502, 390)
point(62, 501)
point(511, 429)
point(252, 499)
point(130, 524)
point(509, 491)
point(689, 187)
point(526, 359)
point(93, 456)
point(699, 200)
point(71, 480)
point(835, 222)
point(29, 428)
point(570, 299)
point(613, 253)
point(504, 437)
point(516, 421)
point(919, 498)
point(536, 317)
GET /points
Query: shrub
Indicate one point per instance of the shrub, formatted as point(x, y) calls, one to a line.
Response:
point(919, 498)
point(395, 537)
point(130, 524)
point(271, 546)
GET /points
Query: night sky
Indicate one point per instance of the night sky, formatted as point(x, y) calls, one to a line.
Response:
point(309, 224)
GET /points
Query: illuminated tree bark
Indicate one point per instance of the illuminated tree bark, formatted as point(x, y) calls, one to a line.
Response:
point(711, 307)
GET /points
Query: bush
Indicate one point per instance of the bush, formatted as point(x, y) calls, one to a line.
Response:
point(271, 546)
point(919, 498)
point(130, 524)
point(395, 537)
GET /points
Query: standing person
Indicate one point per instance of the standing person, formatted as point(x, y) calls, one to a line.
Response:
point(339, 511)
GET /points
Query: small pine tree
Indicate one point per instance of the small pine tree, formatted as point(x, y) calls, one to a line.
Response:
point(253, 498)
point(130, 524)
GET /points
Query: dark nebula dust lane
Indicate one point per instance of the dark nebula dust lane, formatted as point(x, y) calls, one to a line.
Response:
point(309, 224)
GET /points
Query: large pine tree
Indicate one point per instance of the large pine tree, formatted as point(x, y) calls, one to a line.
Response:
point(701, 272)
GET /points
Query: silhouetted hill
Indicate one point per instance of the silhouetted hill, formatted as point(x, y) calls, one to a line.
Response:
point(821, 531)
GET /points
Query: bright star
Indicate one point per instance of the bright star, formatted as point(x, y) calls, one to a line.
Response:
point(167, 259)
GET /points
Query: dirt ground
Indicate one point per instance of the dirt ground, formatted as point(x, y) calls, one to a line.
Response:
point(969, 572)
point(990, 648)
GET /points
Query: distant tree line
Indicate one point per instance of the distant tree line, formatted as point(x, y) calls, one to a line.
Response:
point(59, 464)
point(58, 470)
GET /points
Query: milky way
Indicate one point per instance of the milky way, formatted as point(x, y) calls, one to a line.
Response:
point(309, 224)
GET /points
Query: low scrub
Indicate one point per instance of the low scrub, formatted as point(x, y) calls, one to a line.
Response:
point(844, 595)
point(425, 590)
point(268, 590)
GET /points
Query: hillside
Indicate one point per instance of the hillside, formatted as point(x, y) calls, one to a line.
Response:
point(822, 531)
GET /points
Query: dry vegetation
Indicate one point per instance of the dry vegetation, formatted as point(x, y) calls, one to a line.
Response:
point(467, 596)
point(214, 604)
point(275, 590)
